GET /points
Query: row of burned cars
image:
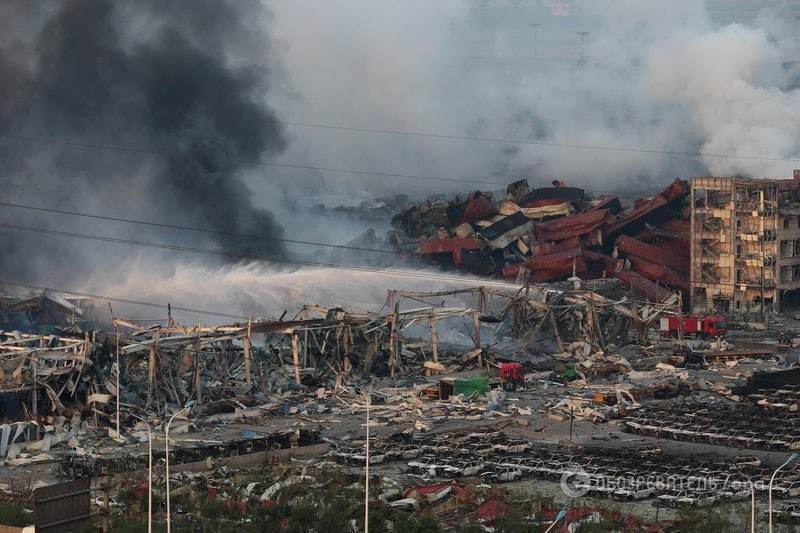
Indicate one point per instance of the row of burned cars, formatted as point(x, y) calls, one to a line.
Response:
point(493, 457)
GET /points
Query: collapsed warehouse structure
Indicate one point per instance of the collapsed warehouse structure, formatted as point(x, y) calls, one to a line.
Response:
point(222, 368)
point(550, 234)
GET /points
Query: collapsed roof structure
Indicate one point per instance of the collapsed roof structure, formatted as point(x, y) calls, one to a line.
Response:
point(553, 233)
point(46, 378)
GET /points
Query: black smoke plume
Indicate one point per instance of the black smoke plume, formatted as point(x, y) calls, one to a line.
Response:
point(162, 105)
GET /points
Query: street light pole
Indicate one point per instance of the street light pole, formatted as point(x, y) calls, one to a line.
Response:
point(789, 462)
point(117, 391)
point(366, 474)
point(149, 473)
point(166, 457)
point(559, 517)
point(752, 499)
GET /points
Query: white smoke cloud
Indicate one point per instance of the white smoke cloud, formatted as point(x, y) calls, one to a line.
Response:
point(727, 81)
point(665, 76)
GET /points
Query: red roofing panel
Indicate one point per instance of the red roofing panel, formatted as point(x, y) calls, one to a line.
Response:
point(424, 490)
point(551, 267)
point(631, 246)
point(547, 248)
point(512, 271)
point(450, 245)
point(669, 244)
point(561, 273)
point(608, 264)
point(477, 208)
point(642, 285)
point(677, 189)
point(568, 227)
point(554, 261)
point(611, 203)
point(491, 511)
point(659, 272)
point(648, 210)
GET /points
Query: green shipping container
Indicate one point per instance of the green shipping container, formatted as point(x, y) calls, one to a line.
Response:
point(468, 387)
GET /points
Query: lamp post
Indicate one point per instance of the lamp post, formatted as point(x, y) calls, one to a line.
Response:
point(117, 390)
point(752, 499)
point(149, 473)
point(559, 517)
point(752, 506)
point(166, 456)
point(789, 462)
point(366, 470)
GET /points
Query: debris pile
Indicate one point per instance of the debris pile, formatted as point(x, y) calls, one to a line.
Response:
point(550, 234)
point(37, 372)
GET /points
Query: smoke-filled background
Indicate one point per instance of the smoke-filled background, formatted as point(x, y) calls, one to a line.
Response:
point(152, 111)
point(183, 112)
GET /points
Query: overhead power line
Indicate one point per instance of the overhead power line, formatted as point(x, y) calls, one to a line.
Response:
point(533, 143)
point(260, 257)
point(195, 229)
point(315, 168)
point(433, 135)
point(120, 300)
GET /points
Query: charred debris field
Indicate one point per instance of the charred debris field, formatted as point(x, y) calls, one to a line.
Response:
point(583, 364)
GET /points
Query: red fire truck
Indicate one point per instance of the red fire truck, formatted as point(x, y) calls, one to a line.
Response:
point(694, 326)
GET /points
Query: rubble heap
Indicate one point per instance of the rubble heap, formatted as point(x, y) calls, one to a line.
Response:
point(549, 234)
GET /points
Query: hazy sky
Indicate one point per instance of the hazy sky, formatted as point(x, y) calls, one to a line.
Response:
point(199, 85)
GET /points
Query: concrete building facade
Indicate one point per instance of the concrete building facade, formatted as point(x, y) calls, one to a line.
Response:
point(745, 245)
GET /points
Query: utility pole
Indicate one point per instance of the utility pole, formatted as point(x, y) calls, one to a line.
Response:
point(582, 35)
point(116, 329)
point(366, 468)
point(536, 40)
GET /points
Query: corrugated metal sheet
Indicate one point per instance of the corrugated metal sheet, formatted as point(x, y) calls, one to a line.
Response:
point(551, 267)
point(574, 226)
point(649, 211)
point(634, 247)
point(477, 208)
point(547, 248)
point(443, 246)
point(643, 286)
point(659, 272)
point(598, 262)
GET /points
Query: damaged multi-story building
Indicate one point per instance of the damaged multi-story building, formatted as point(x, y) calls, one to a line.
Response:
point(745, 244)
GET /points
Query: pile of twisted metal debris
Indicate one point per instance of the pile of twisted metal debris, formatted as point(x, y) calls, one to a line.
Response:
point(553, 233)
point(299, 365)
